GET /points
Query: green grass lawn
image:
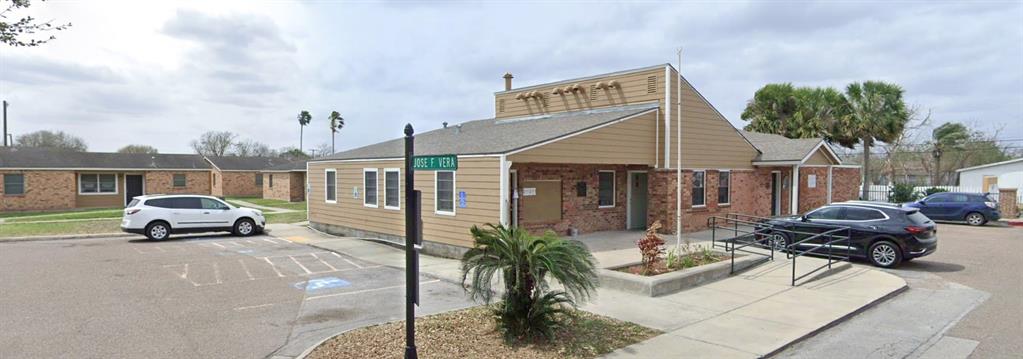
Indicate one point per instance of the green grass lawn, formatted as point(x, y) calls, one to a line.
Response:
point(298, 206)
point(8, 230)
point(56, 216)
point(290, 217)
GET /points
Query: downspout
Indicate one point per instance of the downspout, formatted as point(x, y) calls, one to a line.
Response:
point(830, 168)
point(678, 159)
point(504, 166)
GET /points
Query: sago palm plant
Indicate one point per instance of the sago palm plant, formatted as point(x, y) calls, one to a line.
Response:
point(529, 307)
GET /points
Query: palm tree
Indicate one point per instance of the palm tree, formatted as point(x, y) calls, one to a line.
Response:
point(336, 123)
point(948, 136)
point(877, 113)
point(303, 119)
point(529, 306)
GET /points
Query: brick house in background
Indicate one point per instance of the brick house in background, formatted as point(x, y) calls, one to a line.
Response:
point(582, 155)
point(45, 179)
point(285, 182)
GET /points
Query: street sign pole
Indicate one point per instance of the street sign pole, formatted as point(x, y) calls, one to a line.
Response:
point(411, 234)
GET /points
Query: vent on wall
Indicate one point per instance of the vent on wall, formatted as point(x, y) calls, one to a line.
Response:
point(543, 98)
point(500, 105)
point(593, 92)
point(651, 84)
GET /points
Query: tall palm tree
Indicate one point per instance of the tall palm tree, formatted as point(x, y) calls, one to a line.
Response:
point(336, 123)
point(877, 113)
point(948, 136)
point(529, 306)
point(303, 119)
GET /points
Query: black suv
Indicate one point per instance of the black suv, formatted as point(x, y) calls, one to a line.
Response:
point(884, 234)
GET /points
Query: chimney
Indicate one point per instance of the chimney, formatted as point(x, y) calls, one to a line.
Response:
point(507, 81)
point(445, 124)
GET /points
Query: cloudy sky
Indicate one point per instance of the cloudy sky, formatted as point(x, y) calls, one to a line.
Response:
point(162, 73)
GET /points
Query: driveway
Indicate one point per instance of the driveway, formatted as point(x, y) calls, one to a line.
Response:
point(200, 296)
point(964, 300)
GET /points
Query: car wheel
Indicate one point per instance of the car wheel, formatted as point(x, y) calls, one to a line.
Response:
point(778, 240)
point(885, 254)
point(975, 219)
point(244, 227)
point(157, 231)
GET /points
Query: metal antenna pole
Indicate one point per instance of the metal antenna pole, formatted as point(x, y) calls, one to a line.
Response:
point(678, 158)
point(5, 124)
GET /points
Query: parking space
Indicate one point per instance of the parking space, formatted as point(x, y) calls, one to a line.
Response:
point(196, 296)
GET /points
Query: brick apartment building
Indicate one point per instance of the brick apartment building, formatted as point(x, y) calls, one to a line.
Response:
point(582, 155)
point(285, 182)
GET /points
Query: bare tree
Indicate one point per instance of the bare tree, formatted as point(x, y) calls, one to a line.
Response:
point(138, 149)
point(895, 151)
point(252, 148)
point(214, 143)
point(52, 139)
point(13, 33)
point(322, 149)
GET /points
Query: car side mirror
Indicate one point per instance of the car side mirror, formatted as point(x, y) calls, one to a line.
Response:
point(804, 218)
point(922, 203)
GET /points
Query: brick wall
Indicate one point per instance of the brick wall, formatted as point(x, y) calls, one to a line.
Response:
point(216, 180)
point(578, 212)
point(239, 184)
point(846, 184)
point(810, 198)
point(287, 186)
point(1007, 204)
point(196, 182)
point(44, 190)
point(750, 194)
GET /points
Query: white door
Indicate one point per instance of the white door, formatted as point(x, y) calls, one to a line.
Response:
point(216, 214)
point(186, 212)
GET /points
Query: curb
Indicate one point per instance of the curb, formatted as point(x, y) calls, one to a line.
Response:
point(838, 321)
point(67, 236)
point(305, 353)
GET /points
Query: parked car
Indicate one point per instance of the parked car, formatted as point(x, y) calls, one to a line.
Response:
point(158, 216)
point(883, 234)
point(974, 208)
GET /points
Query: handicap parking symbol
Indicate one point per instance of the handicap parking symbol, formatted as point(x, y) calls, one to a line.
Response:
point(322, 283)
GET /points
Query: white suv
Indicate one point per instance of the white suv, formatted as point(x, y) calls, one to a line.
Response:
point(157, 216)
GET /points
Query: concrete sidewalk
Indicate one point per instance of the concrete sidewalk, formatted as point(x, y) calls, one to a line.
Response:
point(753, 314)
point(259, 207)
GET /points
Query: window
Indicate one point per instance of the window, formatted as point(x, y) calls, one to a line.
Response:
point(271, 180)
point(392, 189)
point(606, 189)
point(212, 204)
point(330, 185)
point(699, 193)
point(259, 179)
point(186, 203)
point(14, 184)
point(724, 187)
point(97, 183)
point(827, 213)
point(179, 180)
point(445, 189)
point(862, 214)
point(369, 183)
point(939, 198)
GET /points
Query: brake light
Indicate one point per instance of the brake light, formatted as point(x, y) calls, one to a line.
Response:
point(991, 205)
point(132, 211)
point(916, 230)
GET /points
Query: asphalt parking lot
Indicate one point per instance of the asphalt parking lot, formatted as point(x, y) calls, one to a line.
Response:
point(198, 296)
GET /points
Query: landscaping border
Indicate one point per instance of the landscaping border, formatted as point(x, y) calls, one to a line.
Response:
point(676, 281)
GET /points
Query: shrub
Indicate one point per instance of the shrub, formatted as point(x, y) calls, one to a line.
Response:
point(651, 247)
point(528, 307)
point(933, 190)
point(902, 192)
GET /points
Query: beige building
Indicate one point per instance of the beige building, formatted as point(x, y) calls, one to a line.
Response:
point(575, 156)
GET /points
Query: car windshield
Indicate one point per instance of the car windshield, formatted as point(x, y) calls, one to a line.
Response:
point(917, 218)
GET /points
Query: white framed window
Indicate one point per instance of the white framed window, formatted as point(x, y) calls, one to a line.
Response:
point(699, 190)
point(330, 185)
point(444, 191)
point(369, 185)
point(724, 187)
point(605, 189)
point(97, 183)
point(392, 188)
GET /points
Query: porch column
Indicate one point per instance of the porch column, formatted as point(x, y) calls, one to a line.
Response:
point(794, 206)
point(829, 182)
point(505, 200)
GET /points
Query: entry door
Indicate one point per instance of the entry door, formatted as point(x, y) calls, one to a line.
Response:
point(637, 200)
point(775, 193)
point(132, 187)
point(514, 195)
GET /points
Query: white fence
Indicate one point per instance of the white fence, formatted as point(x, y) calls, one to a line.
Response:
point(881, 192)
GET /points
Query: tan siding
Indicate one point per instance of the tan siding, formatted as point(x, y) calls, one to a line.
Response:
point(708, 139)
point(633, 143)
point(633, 89)
point(478, 177)
point(820, 157)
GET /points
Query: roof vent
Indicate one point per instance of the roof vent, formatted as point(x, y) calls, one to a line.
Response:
point(651, 84)
point(458, 128)
point(508, 81)
point(445, 124)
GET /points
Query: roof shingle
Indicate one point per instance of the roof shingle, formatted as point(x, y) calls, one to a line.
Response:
point(22, 157)
point(777, 148)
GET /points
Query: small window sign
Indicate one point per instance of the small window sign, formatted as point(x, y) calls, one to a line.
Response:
point(529, 191)
point(355, 192)
point(811, 181)
point(461, 199)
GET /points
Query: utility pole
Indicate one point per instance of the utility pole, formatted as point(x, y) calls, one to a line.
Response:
point(678, 166)
point(5, 124)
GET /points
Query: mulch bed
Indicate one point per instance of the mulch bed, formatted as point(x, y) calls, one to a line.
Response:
point(471, 333)
point(661, 266)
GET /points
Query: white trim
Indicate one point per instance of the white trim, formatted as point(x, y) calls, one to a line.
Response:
point(776, 204)
point(376, 188)
point(398, 158)
point(847, 166)
point(775, 163)
point(578, 79)
point(830, 175)
point(454, 195)
point(307, 189)
point(505, 200)
point(573, 134)
point(657, 138)
point(211, 163)
point(386, 171)
point(729, 172)
point(990, 165)
point(794, 191)
point(693, 185)
point(514, 201)
point(667, 116)
point(614, 188)
point(834, 156)
point(117, 186)
point(325, 198)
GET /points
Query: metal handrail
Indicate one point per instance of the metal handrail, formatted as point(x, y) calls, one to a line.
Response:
point(730, 244)
point(794, 253)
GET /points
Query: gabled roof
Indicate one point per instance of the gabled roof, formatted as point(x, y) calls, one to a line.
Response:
point(990, 165)
point(43, 158)
point(294, 166)
point(238, 163)
point(778, 148)
point(497, 136)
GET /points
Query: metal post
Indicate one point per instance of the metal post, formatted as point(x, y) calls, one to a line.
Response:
point(411, 232)
point(5, 124)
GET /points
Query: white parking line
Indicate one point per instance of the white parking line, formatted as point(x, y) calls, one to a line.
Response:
point(273, 266)
point(269, 240)
point(246, 268)
point(307, 271)
point(216, 272)
point(219, 245)
point(366, 290)
point(324, 262)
